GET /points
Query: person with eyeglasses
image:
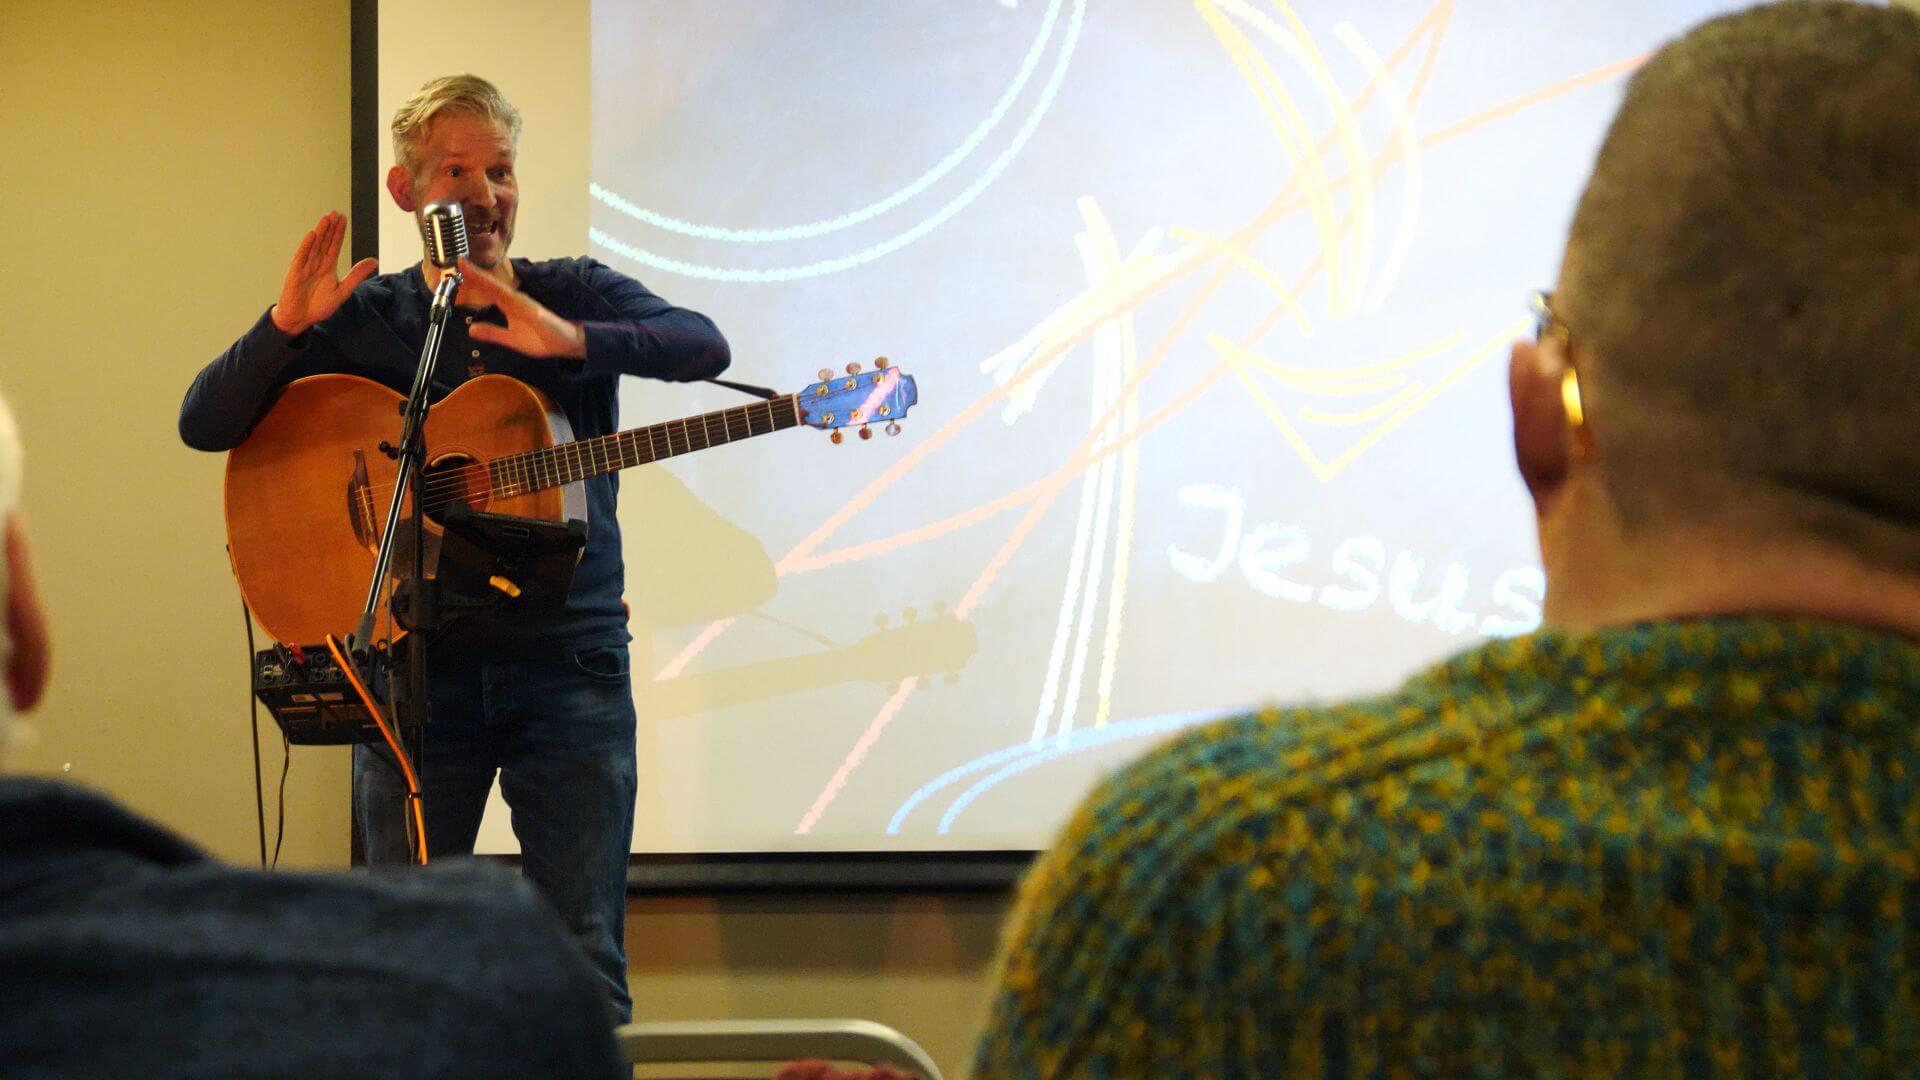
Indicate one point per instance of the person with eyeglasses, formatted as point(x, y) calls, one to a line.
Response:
point(1676, 831)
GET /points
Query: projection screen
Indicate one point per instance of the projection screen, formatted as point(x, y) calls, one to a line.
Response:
point(1208, 306)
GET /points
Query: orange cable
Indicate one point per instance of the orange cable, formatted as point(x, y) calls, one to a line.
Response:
point(414, 796)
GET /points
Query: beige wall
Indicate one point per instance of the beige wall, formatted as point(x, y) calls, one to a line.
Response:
point(918, 963)
point(162, 161)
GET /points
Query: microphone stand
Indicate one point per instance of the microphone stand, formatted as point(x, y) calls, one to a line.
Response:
point(411, 458)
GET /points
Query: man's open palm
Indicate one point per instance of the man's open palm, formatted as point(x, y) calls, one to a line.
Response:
point(531, 329)
point(314, 289)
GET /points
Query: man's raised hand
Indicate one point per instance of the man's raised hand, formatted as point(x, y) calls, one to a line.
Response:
point(314, 289)
point(531, 329)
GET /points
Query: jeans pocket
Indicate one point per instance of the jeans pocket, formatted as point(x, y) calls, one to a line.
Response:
point(609, 665)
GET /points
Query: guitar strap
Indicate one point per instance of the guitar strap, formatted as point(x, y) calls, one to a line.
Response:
point(755, 391)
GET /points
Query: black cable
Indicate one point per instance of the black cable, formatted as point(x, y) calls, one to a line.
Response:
point(259, 793)
point(381, 655)
point(280, 828)
point(390, 667)
point(416, 666)
point(376, 661)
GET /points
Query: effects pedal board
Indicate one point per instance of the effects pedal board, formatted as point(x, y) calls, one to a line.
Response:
point(310, 697)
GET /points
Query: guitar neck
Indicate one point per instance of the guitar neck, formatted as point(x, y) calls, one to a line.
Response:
point(519, 474)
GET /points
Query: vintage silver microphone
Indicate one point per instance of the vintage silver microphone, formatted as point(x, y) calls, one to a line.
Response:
point(443, 226)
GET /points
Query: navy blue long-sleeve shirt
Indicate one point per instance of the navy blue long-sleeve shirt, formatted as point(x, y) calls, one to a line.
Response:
point(125, 951)
point(378, 333)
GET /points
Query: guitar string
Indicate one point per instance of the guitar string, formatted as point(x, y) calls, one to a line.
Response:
point(562, 460)
point(446, 487)
point(566, 456)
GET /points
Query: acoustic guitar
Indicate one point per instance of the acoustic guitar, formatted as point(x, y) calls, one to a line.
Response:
point(307, 492)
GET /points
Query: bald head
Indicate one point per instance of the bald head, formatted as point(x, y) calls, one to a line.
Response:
point(1742, 281)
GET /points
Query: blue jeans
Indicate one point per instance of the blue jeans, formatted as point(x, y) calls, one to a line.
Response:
point(560, 733)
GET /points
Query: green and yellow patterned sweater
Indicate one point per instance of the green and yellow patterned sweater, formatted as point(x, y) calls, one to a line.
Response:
point(1688, 848)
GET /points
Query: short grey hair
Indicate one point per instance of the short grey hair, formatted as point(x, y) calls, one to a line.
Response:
point(468, 94)
point(1742, 278)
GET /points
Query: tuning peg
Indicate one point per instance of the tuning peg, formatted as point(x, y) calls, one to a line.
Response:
point(825, 374)
point(893, 427)
point(853, 369)
point(866, 432)
point(836, 436)
point(882, 363)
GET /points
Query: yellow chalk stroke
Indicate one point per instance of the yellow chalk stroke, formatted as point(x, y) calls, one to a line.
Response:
point(1409, 144)
point(1242, 258)
point(1498, 342)
point(1291, 131)
point(1353, 148)
point(1361, 416)
point(1385, 417)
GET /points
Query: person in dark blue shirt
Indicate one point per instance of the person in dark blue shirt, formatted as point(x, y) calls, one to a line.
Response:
point(541, 695)
point(127, 951)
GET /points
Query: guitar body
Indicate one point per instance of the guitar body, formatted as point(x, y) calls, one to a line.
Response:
point(307, 492)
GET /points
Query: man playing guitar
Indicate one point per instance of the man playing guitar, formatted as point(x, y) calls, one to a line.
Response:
point(541, 696)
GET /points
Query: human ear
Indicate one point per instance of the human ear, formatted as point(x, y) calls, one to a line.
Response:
point(26, 626)
point(400, 186)
point(1543, 441)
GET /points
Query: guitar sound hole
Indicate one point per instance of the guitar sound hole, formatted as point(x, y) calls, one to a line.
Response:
point(452, 479)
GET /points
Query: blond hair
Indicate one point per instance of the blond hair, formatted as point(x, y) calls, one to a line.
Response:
point(469, 94)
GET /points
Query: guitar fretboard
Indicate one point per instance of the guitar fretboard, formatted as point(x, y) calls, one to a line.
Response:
point(519, 474)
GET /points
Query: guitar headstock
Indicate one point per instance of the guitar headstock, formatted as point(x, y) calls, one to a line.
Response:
point(857, 399)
